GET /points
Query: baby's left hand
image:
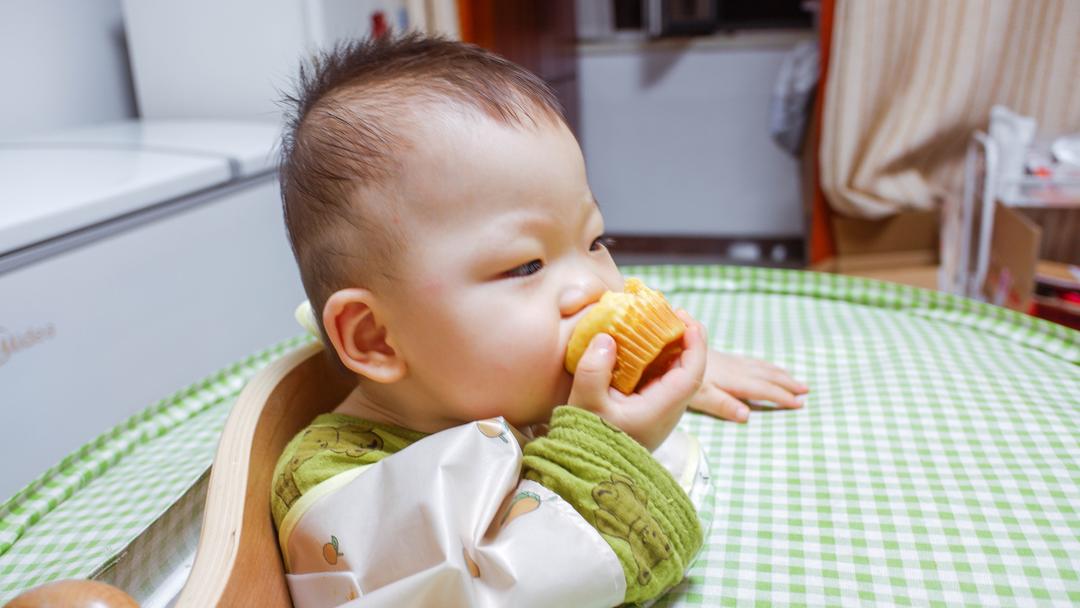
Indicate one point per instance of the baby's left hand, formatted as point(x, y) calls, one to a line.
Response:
point(731, 379)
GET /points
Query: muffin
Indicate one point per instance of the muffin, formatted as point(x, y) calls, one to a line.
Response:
point(647, 333)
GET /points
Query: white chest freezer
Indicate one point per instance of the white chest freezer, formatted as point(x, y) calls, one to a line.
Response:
point(135, 258)
point(241, 55)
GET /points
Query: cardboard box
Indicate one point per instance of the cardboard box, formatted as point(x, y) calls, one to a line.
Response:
point(1014, 253)
point(905, 239)
point(901, 249)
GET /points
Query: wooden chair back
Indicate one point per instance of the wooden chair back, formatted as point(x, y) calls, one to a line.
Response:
point(238, 562)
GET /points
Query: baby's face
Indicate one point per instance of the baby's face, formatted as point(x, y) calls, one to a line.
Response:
point(502, 259)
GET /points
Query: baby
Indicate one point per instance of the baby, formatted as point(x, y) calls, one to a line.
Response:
point(448, 241)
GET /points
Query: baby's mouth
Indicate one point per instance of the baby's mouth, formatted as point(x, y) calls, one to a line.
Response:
point(571, 324)
point(577, 316)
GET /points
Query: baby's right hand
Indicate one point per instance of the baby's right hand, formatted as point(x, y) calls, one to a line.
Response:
point(649, 415)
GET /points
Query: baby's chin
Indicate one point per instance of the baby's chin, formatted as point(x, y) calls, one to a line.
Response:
point(541, 413)
point(540, 409)
point(562, 394)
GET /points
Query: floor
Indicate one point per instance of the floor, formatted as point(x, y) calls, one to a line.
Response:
point(918, 276)
point(625, 259)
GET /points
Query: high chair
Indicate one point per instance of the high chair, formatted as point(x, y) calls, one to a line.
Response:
point(238, 562)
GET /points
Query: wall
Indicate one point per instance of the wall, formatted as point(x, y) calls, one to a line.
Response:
point(62, 63)
point(676, 140)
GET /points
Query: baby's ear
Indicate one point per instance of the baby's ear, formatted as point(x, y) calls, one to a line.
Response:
point(356, 331)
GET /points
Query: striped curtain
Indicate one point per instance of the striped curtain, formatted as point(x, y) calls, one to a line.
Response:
point(909, 80)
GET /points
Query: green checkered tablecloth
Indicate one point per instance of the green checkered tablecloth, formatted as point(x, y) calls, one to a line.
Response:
point(937, 461)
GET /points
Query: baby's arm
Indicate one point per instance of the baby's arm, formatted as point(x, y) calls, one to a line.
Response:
point(732, 379)
point(596, 456)
point(624, 493)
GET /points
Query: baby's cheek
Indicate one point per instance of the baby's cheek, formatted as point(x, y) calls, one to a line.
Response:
point(533, 360)
point(491, 360)
point(512, 349)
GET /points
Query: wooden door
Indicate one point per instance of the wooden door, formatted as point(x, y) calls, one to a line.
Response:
point(537, 34)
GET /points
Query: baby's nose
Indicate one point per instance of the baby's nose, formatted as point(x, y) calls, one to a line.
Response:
point(580, 294)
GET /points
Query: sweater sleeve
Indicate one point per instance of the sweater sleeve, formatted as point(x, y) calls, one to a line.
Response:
point(624, 493)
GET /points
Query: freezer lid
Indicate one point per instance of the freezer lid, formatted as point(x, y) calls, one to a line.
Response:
point(50, 190)
point(250, 146)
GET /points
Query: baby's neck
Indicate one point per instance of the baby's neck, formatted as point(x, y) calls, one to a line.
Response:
point(374, 403)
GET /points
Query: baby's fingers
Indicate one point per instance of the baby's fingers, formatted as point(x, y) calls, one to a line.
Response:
point(593, 374)
point(695, 353)
point(683, 380)
point(784, 380)
point(772, 373)
point(761, 390)
point(715, 402)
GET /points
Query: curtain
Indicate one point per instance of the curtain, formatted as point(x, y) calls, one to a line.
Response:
point(910, 80)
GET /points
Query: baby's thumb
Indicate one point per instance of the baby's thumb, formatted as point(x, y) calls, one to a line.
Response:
point(593, 375)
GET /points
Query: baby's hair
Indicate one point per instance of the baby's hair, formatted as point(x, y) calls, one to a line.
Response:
point(347, 125)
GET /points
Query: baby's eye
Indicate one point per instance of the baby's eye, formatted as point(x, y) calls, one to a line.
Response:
point(525, 269)
point(602, 242)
